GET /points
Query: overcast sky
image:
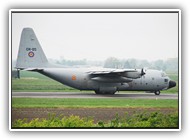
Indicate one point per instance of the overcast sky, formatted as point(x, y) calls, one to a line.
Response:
point(97, 36)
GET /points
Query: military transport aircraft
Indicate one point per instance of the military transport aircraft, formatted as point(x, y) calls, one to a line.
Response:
point(103, 81)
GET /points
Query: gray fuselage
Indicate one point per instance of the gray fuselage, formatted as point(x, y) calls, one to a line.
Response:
point(78, 78)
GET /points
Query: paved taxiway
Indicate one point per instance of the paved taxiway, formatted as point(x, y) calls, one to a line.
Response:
point(92, 95)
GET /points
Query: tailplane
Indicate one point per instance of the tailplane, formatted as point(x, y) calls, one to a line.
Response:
point(30, 54)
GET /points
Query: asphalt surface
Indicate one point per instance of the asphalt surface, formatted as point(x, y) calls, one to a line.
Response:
point(92, 95)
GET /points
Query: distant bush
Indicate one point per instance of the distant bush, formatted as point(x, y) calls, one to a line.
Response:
point(138, 120)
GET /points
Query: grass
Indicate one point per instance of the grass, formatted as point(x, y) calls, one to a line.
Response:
point(32, 84)
point(74, 102)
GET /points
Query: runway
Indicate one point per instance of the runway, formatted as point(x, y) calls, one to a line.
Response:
point(92, 95)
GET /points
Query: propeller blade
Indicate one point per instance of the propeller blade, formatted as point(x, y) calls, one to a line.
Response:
point(142, 72)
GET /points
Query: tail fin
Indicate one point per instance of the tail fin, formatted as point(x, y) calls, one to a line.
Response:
point(30, 54)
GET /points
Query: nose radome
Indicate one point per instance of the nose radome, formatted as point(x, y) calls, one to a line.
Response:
point(172, 84)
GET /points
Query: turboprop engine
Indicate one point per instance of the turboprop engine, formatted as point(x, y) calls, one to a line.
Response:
point(135, 74)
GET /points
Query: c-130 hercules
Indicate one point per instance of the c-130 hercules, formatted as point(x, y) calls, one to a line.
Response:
point(103, 81)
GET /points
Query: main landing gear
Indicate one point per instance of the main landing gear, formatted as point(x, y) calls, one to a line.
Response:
point(104, 92)
point(157, 92)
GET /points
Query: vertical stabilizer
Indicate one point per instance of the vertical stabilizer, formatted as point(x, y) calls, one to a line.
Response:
point(30, 53)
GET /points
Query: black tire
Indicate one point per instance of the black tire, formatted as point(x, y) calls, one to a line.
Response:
point(111, 93)
point(157, 92)
point(99, 92)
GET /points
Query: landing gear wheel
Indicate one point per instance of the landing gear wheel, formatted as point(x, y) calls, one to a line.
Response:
point(157, 92)
point(97, 92)
point(108, 93)
point(111, 93)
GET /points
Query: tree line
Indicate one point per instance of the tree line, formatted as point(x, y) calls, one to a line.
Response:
point(171, 64)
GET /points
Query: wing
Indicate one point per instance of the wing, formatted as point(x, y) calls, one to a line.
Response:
point(115, 76)
point(110, 72)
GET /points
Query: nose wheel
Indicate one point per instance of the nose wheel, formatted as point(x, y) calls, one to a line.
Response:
point(157, 92)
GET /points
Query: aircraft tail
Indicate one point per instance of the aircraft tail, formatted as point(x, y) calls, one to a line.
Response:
point(30, 54)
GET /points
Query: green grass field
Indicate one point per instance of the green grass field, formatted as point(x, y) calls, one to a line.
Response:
point(32, 81)
point(74, 102)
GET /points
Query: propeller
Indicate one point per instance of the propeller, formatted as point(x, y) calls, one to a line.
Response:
point(143, 72)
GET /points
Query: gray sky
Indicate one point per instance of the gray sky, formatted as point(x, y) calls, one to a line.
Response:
point(97, 36)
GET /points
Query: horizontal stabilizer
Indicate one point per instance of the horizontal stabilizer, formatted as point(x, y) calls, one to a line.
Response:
point(34, 69)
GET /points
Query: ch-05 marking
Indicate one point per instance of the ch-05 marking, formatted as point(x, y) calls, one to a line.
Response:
point(31, 49)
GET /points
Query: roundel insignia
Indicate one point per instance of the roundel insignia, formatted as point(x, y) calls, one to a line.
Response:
point(31, 54)
point(73, 77)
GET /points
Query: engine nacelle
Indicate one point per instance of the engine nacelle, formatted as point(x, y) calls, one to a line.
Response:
point(133, 75)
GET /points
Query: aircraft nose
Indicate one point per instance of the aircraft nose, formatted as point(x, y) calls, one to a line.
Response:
point(172, 84)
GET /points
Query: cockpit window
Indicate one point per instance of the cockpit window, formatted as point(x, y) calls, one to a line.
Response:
point(163, 74)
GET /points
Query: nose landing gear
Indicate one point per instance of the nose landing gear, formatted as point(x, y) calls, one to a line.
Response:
point(157, 92)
